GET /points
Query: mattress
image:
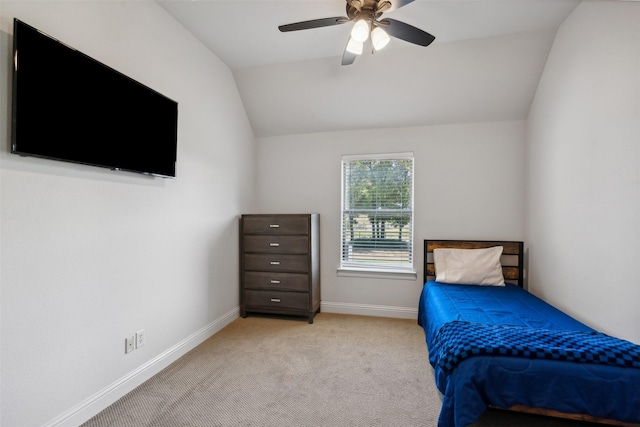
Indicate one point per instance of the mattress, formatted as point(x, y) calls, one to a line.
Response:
point(600, 390)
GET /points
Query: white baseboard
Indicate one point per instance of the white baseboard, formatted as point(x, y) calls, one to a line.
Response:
point(105, 397)
point(369, 310)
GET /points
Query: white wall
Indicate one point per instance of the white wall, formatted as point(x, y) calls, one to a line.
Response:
point(90, 256)
point(469, 184)
point(583, 156)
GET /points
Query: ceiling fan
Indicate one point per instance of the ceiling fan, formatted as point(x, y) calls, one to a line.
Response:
point(368, 25)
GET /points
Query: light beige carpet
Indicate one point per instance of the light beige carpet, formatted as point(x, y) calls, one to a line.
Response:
point(262, 371)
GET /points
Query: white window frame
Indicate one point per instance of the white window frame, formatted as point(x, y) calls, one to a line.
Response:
point(372, 269)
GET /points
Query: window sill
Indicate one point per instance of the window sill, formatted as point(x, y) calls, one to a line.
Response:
point(377, 274)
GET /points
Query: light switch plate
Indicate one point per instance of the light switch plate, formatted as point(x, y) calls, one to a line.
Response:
point(140, 338)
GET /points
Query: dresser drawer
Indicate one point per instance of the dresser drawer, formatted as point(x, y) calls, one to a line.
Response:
point(276, 244)
point(277, 262)
point(279, 281)
point(276, 225)
point(277, 300)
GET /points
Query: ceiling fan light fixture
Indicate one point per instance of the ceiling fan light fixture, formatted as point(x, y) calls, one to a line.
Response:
point(355, 47)
point(360, 31)
point(379, 38)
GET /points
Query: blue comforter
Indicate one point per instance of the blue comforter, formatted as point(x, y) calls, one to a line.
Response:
point(602, 380)
point(457, 341)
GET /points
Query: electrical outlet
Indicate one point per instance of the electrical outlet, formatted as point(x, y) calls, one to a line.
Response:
point(129, 343)
point(140, 338)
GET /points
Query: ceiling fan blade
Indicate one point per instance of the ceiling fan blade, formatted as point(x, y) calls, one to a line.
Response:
point(406, 32)
point(348, 58)
point(314, 23)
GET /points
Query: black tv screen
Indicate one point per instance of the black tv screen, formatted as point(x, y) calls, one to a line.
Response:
point(70, 107)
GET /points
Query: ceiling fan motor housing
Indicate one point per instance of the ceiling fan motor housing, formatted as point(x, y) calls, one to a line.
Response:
point(366, 9)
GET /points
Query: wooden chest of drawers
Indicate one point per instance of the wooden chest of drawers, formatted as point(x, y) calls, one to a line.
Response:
point(280, 264)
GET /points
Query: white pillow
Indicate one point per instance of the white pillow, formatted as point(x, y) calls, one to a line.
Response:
point(469, 266)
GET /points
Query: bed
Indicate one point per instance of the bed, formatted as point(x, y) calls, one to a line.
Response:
point(500, 346)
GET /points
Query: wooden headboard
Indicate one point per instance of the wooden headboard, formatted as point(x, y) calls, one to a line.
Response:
point(512, 256)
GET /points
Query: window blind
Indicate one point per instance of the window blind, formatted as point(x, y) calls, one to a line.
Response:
point(377, 211)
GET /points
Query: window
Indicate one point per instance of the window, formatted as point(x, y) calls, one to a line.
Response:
point(377, 212)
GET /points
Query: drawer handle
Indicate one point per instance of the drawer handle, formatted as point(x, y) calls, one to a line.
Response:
point(274, 225)
point(275, 299)
point(275, 282)
point(275, 262)
point(274, 244)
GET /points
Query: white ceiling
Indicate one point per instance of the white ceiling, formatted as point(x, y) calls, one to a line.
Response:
point(484, 65)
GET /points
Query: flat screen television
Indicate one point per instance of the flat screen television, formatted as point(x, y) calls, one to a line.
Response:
point(67, 106)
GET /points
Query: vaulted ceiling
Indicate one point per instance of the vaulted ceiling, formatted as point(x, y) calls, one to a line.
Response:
point(484, 65)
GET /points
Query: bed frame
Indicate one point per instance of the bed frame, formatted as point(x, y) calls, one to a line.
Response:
point(512, 256)
point(513, 271)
